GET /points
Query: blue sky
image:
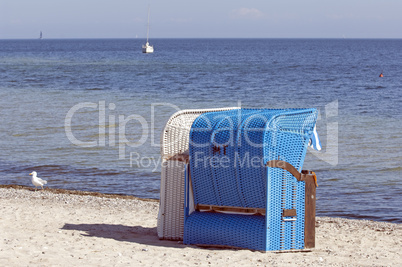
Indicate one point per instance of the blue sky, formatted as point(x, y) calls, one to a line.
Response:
point(201, 19)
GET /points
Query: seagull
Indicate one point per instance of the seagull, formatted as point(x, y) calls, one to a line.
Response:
point(36, 181)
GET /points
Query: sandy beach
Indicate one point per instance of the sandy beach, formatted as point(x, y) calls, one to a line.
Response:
point(53, 228)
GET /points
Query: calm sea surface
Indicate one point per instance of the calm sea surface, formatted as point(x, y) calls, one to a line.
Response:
point(96, 86)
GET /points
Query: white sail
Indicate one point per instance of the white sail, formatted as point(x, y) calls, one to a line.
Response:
point(147, 48)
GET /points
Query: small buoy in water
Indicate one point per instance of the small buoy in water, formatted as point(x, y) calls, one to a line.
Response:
point(381, 75)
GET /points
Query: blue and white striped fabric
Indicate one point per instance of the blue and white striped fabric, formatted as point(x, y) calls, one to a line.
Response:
point(315, 142)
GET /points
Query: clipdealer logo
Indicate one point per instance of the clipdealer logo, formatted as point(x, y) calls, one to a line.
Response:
point(115, 125)
point(112, 132)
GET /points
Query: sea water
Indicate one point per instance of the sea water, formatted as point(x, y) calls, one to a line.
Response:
point(88, 114)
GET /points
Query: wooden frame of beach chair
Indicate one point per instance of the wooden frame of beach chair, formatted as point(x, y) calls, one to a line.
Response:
point(175, 144)
point(270, 206)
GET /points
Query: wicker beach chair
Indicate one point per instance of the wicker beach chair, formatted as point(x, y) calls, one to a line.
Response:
point(175, 141)
point(245, 176)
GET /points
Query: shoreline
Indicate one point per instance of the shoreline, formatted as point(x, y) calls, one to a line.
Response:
point(77, 192)
point(124, 196)
point(55, 228)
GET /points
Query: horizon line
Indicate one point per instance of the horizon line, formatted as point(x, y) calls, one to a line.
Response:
point(156, 38)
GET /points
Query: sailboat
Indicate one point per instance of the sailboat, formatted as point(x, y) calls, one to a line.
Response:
point(40, 35)
point(147, 48)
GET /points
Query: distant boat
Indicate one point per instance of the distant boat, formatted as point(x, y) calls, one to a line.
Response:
point(147, 48)
point(40, 35)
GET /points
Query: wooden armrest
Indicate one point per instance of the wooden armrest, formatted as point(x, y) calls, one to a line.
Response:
point(303, 176)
